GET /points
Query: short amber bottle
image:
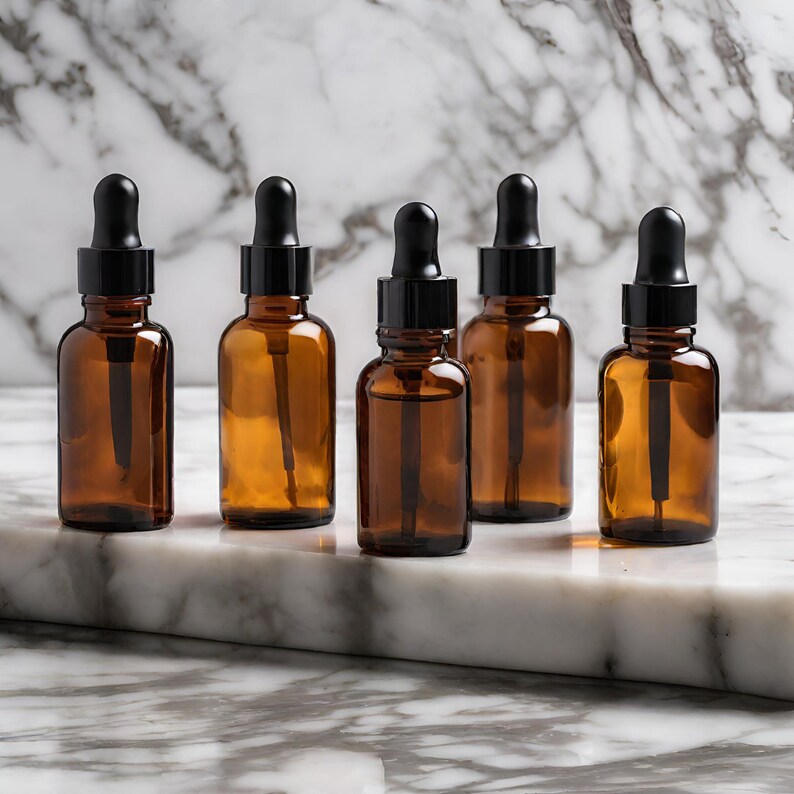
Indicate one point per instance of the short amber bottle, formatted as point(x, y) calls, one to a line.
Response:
point(520, 358)
point(277, 383)
point(412, 407)
point(659, 404)
point(115, 382)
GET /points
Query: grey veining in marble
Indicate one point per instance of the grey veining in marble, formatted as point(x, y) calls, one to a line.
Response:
point(92, 711)
point(546, 598)
point(613, 105)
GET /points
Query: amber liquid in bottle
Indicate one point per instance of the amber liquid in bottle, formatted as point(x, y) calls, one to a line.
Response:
point(115, 418)
point(520, 358)
point(277, 416)
point(412, 407)
point(659, 413)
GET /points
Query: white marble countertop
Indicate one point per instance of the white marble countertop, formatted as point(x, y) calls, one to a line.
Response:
point(547, 598)
point(100, 711)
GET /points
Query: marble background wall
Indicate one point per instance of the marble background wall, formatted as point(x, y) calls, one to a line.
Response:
point(613, 107)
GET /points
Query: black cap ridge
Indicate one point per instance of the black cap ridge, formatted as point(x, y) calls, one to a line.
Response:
point(517, 263)
point(276, 263)
point(116, 263)
point(661, 295)
point(417, 295)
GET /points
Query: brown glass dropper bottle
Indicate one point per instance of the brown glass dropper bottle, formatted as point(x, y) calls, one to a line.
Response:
point(659, 403)
point(276, 367)
point(412, 407)
point(520, 358)
point(115, 381)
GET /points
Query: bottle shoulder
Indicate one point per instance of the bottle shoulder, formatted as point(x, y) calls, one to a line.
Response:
point(71, 334)
point(487, 338)
point(368, 371)
point(245, 332)
point(613, 355)
point(471, 326)
point(453, 370)
point(148, 332)
point(84, 346)
point(706, 357)
point(437, 379)
point(484, 325)
point(322, 325)
point(292, 326)
point(156, 332)
point(232, 327)
point(624, 359)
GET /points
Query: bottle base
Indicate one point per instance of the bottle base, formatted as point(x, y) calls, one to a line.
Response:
point(646, 531)
point(277, 519)
point(525, 513)
point(114, 518)
point(392, 544)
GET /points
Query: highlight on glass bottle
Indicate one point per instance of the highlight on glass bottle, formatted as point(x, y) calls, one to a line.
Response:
point(412, 407)
point(659, 404)
point(277, 390)
point(520, 358)
point(115, 381)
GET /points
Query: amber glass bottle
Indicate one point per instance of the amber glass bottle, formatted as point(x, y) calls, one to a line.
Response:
point(520, 358)
point(115, 382)
point(659, 404)
point(277, 382)
point(412, 406)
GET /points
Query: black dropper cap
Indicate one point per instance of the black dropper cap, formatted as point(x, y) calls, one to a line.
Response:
point(276, 263)
point(517, 263)
point(417, 295)
point(661, 295)
point(116, 263)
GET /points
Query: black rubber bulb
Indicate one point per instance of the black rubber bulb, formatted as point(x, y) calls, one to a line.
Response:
point(116, 214)
point(416, 242)
point(276, 213)
point(517, 212)
point(661, 248)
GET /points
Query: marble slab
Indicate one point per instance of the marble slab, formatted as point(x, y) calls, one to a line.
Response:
point(97, 711)
point(547, 598)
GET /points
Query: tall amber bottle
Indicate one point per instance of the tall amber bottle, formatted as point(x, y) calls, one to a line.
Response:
point(115, 381)
point(659, 404)
point(277, 382)
point(412, 406)
point(520, 358)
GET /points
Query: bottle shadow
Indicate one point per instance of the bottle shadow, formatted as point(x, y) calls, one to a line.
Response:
point(313, 539)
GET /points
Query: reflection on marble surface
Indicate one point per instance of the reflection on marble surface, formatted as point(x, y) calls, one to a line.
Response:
point(86, 710)
point(613, 107)
point(548, 598)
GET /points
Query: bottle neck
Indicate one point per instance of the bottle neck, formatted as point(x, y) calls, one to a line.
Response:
point(517, 306)
point(403, 345)
point(658, 340)
point(116, 311)
point(277, 308)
